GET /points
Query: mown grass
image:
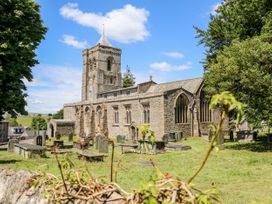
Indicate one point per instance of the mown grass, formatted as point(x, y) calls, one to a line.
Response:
point(241, 173)
point(25, 121)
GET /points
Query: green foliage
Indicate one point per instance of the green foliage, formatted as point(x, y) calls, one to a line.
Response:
point(244, 68)
point(21, 31)
point(58, 115)
point(128, 78)
point(38, 122)
point(12, 121)
point(224, 102)
point(234, 19)
point(144, 129)
point(238, 166)
point(238, 59)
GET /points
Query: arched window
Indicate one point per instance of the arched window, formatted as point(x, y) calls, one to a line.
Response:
point(205, 112)
point(109, 64)
point(181, 109)
point(99, 115)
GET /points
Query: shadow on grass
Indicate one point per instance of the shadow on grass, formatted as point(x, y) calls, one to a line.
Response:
point(259, 146)
point(11, 161)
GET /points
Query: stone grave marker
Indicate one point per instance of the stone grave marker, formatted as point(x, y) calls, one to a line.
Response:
point(39, 140)
point(97, 140)
point(11, 144)
point(103, 146)
point(70, 137)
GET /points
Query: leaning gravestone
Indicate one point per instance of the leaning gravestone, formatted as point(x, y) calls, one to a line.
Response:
point(103, 146)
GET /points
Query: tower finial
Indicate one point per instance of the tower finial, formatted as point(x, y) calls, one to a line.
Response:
point(103, 40)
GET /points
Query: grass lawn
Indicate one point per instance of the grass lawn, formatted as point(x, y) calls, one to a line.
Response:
point(241, 172)
point(25, 121)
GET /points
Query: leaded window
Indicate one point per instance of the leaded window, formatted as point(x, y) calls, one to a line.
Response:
point(181, 109)
point(205, 111)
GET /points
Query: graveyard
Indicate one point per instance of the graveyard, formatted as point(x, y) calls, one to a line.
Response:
point(136, 102)
point(239, 165)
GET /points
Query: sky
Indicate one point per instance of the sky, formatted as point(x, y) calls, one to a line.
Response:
point(156, 37)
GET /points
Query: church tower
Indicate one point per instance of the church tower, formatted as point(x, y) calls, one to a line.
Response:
point(101, 69)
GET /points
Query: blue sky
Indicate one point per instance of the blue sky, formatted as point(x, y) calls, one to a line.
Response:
point(156, 37)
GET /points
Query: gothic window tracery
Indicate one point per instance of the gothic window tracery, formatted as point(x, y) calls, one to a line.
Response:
point(146, 113)
point(116, 115)
point(181, 109)
point(205, 112)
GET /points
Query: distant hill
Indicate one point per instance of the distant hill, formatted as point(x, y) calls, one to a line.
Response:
point(25, 121)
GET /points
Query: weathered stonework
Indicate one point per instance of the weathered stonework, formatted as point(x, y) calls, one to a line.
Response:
point(104, 105)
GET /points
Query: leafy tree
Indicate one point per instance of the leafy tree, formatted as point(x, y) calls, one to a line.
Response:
point(21, 31)
point(12, 121)
point(234, 19)
point(38, 122)
point(238, 57)
point(244, 68)
point(58, 115)
point(128, 78)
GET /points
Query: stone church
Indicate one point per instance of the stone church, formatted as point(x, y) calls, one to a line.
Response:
point(107, 108)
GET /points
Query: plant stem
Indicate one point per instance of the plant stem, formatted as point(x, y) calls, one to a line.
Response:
point(61, 173)
point(112, 156)
point(217, 133)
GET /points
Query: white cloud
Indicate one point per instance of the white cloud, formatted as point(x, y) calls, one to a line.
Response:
point(175, 55)
point(58, 85)
point(125, 25)
point(214, 8)
point(166, 67)
point(72, 41)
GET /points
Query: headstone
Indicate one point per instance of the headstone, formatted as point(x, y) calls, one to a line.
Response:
point(70, 137)
point(244, 135)
point(165, 138)
point(39, 140)
point(178, 136)
point(97, 140)
point(11, 144)
point(103, 146)
point(231, 135)
point(58, 135)
point(59, 143)
point(120, 138)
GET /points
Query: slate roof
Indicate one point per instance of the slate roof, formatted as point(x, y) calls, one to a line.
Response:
point(191, 85)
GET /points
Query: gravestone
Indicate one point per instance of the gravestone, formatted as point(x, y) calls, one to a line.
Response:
point(70, 137)
point(244, 136)
point(178, 136)
point(97, 140)
point(39, 140)
point(103, 146)
point(165, 138)
point(11, 144)
point(120, 138)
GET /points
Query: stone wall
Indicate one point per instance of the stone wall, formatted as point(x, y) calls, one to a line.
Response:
point(169, 113)
point(69, 113)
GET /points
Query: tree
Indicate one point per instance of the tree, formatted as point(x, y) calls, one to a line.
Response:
point(12, 121)
point(58, 115)
point(234, 19)
point(128, 78)
point(21, 31)
point(38, 122)
point(239, 53)
point(244, 68)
